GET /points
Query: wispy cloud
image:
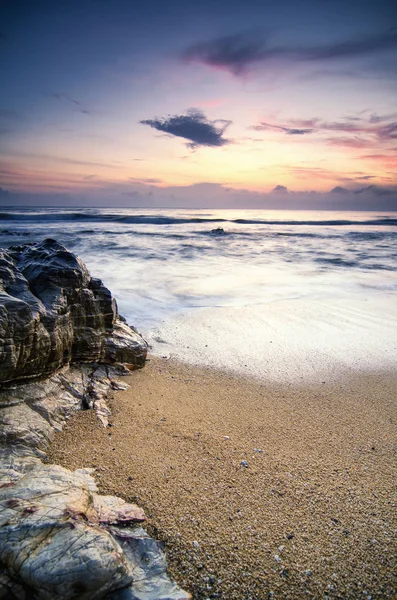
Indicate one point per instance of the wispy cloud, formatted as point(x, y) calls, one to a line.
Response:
point(69, 100)
point(50, 158)
point(348, 142)
point(288, 130)
point(238, 53)
point(364, 131)
point(145, 180)
point(194, 126)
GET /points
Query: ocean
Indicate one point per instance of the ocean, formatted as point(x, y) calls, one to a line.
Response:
point(274, 294)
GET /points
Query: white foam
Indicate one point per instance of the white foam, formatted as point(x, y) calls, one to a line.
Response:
point(286, 340)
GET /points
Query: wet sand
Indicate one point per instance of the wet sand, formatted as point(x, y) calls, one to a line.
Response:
point(257, 489)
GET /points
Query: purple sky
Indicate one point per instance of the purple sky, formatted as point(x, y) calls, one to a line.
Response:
point(215, 104)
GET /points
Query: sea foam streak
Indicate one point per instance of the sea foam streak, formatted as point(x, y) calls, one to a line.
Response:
point(323, 284)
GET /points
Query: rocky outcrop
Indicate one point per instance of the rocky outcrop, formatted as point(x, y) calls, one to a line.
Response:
point(52, 313)
point(61, 346)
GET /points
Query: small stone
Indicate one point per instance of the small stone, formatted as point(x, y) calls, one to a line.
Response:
point(195, 544)
point(308, 572)
point(277, 558)
point(257, 450)
point(244, 463)
point(226, 437)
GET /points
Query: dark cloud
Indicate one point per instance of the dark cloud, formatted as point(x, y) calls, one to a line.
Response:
point(288, 130)
point(237, 53)
point(280, 188)
point(376, 190)
point(234, 53)
point(338, 189)
point(375, 118)
point(364, 45)
point(208, 195)
point(389, 131)
point(194, 126)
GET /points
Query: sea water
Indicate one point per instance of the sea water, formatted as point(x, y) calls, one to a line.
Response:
point(275, 294)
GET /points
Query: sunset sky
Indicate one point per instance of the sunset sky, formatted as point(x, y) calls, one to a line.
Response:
point(210, 103)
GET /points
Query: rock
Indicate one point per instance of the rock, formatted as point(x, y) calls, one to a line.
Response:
point(116, 511)
point(150, 578)
point(218, 231)
point(244, 463)
point(46, 509)
point(62, 345)
point(52, 313)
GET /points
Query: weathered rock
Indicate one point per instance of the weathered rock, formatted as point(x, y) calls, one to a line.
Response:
point(59, 539)
point(49, 538)
point(52, 312)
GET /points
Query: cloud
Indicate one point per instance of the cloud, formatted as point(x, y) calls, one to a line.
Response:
point(70, 100)
point(288, 130)
point(375, 118)
point(238, 53)
point(61, 159)
point(364, 131)
point(346, 142)
point(338, 189)
point(280, 188)
point(389, 131)
point(376, 190)
point(206, 195)
point(234, 53)
point(194, 126)
point(149, 180)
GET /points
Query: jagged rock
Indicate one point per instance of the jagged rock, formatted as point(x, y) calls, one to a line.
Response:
point(52, 312)
point(59, 539)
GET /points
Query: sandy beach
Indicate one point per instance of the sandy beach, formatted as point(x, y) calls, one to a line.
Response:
point(257, 489)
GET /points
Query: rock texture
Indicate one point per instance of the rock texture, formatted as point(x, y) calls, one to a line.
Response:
point(52, 313)
point(61, 345)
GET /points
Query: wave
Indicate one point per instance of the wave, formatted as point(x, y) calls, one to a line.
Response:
point(145, 219)
point(331, 222)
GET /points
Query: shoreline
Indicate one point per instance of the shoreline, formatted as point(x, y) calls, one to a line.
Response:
point(311, 513)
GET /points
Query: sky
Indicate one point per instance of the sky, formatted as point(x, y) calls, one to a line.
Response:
point(211, 103)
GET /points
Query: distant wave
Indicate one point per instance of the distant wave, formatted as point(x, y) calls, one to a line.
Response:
point(329, 223)
point(169, 220)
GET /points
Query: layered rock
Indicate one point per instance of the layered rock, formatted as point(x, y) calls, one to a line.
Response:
point(52, 313)
point(61, 345)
